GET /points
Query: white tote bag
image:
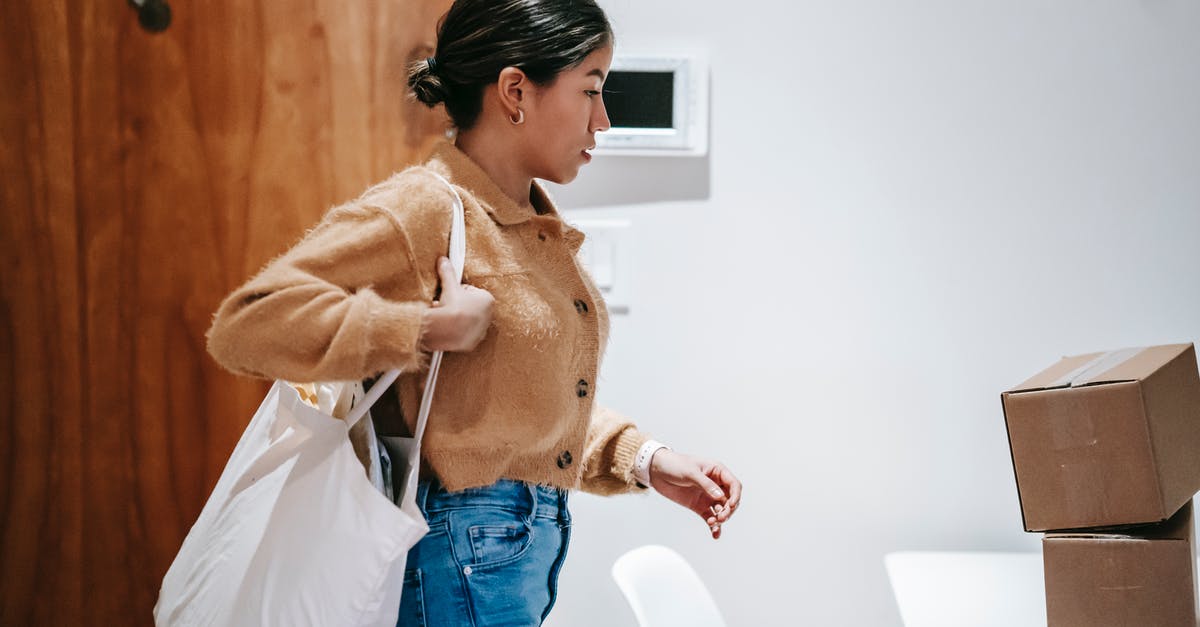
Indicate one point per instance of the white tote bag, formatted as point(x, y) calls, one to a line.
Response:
point(295, 533)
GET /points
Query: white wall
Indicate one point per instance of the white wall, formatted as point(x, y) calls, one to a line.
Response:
point(908, 208)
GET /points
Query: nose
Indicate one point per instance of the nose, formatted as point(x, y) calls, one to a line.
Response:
point(599, 122)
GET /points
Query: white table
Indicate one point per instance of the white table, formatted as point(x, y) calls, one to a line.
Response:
point(968, 589)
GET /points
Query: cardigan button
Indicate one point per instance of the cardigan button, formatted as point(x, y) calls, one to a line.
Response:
point(564, 459)
point(542, 235)
point(581, 388)
point(581, 306)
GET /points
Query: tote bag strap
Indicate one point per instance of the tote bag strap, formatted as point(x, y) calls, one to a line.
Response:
point(458, 256)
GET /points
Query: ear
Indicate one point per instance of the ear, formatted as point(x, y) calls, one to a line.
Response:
point(511, 88)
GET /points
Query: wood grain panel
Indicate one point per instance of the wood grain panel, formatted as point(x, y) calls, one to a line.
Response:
point(143, 177)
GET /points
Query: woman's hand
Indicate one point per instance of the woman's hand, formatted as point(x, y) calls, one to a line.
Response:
point(459, 320)
point(705, 487)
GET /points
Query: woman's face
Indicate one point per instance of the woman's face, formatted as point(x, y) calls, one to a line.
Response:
point(564, 116)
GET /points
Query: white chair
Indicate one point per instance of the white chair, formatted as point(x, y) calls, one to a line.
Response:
point(968, 589)
point(664, 590)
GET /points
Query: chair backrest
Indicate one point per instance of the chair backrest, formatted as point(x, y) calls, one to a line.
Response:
point(968, 589)
point(664, 590)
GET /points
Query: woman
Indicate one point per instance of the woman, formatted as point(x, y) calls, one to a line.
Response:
point(514, 426)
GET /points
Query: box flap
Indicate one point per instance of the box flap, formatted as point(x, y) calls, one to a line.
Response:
point(1141, 365)
point(1128, 364)
point(1051, 377)
point(1177, 527)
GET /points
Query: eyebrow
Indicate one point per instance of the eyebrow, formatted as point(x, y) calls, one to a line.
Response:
point(596, 72)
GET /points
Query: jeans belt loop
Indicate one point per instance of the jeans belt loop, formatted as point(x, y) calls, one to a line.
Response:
point(423, 495)
point(533, 500)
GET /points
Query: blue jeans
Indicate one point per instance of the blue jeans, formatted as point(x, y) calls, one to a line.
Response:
point(491, 557)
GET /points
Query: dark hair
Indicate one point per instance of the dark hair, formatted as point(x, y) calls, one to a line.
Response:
point(478, 38)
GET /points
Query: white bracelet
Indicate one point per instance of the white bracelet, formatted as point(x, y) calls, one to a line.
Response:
point(641, 463)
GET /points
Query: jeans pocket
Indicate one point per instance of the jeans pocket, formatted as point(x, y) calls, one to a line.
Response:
point(494, 542)
point(412, 600)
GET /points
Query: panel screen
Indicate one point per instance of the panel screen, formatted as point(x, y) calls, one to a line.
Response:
point(640, 99)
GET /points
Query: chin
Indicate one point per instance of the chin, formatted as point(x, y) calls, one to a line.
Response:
point(562, 177)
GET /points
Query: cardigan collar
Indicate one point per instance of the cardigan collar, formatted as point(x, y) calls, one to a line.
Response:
point(462, 170)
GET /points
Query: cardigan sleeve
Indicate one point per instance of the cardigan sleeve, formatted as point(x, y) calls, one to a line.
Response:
point(610, 448)
point(347, 301)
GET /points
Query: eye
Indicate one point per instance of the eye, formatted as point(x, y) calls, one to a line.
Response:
point(592, 93)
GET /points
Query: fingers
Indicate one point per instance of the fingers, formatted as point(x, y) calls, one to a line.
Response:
point(734, 488)
point(446, 272)
point(713, 520)
point(714, 492)
point(708, 485)
point(723, 507)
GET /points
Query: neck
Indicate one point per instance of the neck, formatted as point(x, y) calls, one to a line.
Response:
point(494, 158)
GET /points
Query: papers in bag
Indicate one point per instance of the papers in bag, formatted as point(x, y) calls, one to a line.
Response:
point(333, 397)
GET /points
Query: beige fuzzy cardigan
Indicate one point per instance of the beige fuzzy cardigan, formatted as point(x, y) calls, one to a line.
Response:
point(346, 302)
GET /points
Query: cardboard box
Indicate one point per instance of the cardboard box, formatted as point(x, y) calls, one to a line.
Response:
point(1146, 577)
point(1106, 439)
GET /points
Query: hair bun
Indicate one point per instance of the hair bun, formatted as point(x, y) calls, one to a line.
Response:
point(426, 85)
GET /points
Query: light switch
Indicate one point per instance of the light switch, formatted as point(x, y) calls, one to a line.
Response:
point(608, 256)
point(601, 259)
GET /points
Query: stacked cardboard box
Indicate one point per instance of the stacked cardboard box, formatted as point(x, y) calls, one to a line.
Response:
point(1106, 452)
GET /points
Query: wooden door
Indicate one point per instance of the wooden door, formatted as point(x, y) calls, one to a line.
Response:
point(142, 177)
